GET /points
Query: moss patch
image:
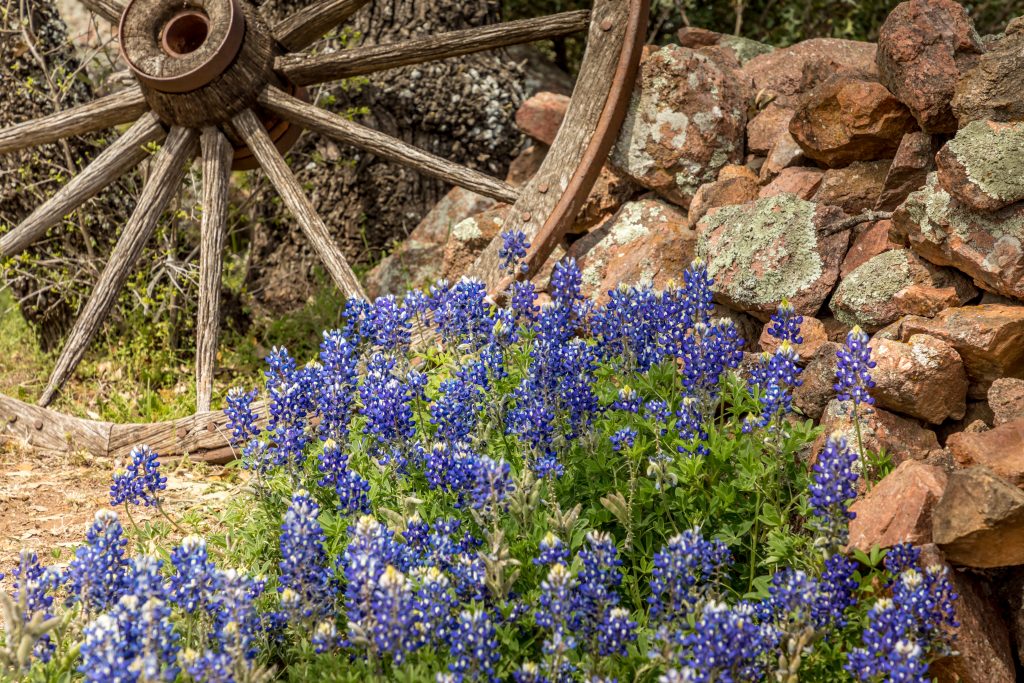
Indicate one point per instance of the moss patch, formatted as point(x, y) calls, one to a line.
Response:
point(993, 158)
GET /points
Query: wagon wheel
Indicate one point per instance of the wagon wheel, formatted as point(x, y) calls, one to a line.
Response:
point(214, 78)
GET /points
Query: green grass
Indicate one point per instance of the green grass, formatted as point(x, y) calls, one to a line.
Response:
point(131, 375)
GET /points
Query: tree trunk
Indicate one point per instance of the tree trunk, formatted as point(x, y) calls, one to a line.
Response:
point(462, 109)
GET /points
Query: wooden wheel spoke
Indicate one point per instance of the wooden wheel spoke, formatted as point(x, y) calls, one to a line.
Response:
point(304, 27)
point(310, 69)
point(383, 145)
point(163, 183)
point(111, 164)
point(256, 138)
point(110, 10)
point(213, 231)
point(106, 112)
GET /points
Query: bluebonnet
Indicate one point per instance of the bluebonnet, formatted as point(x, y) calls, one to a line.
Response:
point(461, 313)
point(832, 489)
point(853, 371)
point(391, 325)
point(556, 610)
point(906, 631)
point(836, 592)
point(598, 582)
point(134, 640)
point(772, 382)
point(99, 575)
point(514, 246)
point(194, 582)
point(552, 551)
point(725, 645)
point(522, 302)
point(307, 586)
point(372, 548)
point(395, 629)
point(623, 439)
point(352, 490)
point(386, 407)
point(628, 400)
point(474, 647)
point(33, 586)
point(690, 427)
point(685, 572)
point(325, 636)
point(493, 484)
point(615, 631)
point(336, 385)
point(785, 324)
point(901, 557)
point(242, 419)
point(436, 603)
point(291, 401)
point(236, 625)
point(141, 483)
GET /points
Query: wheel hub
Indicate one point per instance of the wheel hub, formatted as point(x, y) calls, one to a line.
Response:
point(201, 62)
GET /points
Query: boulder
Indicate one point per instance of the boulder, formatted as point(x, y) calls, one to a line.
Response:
point(849, 118)
point(899, 508)
point(872, 241)
point(416, 262)
point(989, 339)
point(541, 116)
point(739, 190)
point(983, 166)
point(1006, 398)
point(979, 521)
point(983, 646)
point(853, 189)
point(812, 332)
point(735, 48)
point(986, 246)
point(909, 170)
point(783, 154)
point(819, 379)
point(784, 75)
point(736, 171)
point(796, 180)
point(894, 284)
point(611, 190)
point(992, 88)
point(771, 249)
point(1000, 449)
point(922, 378)
point(648, 242)
point(766, 127)
point(880, 430)
point(468, 239)
point(923, 48)
point(684, 123)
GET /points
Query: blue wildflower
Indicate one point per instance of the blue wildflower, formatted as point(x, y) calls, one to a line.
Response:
point(853, 371)
point(514, 246)
point(142, 481)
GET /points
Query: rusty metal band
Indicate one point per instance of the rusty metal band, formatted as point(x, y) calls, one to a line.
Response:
point(605, 134)
point(283, 133)
point(205, 73)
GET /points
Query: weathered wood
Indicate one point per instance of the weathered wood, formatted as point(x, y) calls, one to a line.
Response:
point(217, 153)
point(557, 192)
point(163, 183)
point(233, 91)
point(312, 69)
point(111, 164)
point(305, 27)
point(111, 10)
point(106, 112)
point(256, 138)
point(375, 142)
point(203, 436)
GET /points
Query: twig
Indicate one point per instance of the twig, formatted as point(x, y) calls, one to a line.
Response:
point(846, 223)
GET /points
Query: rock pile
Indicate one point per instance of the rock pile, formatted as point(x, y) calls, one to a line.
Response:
point(872, 185)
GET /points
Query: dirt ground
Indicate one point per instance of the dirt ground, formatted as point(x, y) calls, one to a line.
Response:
point(46, 501)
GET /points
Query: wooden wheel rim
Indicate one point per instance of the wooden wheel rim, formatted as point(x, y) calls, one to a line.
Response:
point(542, 208)
point(204, 73)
